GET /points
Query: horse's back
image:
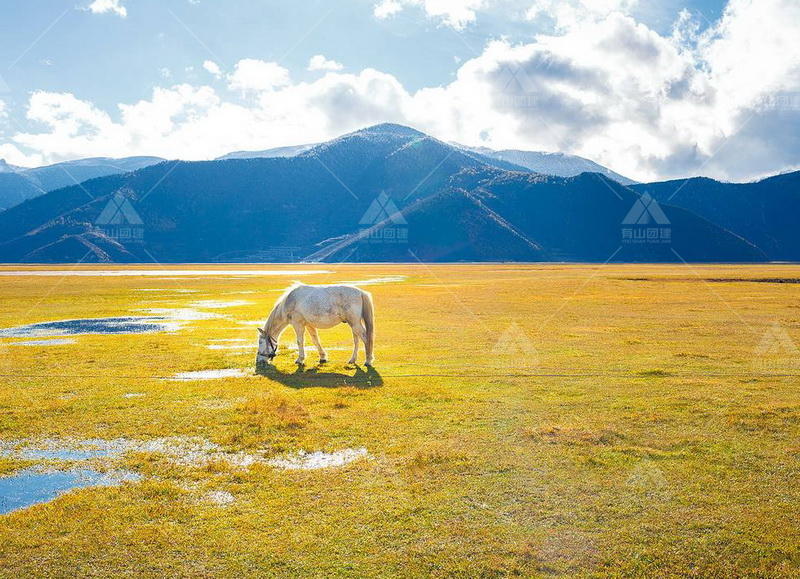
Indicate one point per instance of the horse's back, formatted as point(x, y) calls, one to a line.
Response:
point(327, 304)
point(328, 291)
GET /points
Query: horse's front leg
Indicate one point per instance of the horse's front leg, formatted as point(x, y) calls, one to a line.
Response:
point(300, 330)
point(323, 356)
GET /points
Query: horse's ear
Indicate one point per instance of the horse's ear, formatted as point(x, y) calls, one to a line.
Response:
point(262, 332)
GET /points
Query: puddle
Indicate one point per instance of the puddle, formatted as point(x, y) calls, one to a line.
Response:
point(181, 314)
point(210, 374)
point(377, 280)
point(184, 451)
point(191, 451)
point(89, 463)
point(166, 290)
point(160, 273)
point(33, 486)
point(215, 304)
point(158, 320)
point(121, 325)
point(65, 451)
point(180, 450)
point(64, 342)
point(314, 460)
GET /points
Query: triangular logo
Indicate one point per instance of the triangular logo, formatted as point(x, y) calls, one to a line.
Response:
point(3, 86)
point(382, 209)
point(119, 211)
point(519, 76)
point(776, 342)
point(647, 477)
point(514, 341)
point(645, 209)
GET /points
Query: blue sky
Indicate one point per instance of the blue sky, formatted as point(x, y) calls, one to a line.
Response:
point(108, 59)
point(72, 69)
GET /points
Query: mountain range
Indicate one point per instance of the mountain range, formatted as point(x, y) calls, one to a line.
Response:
point(18, 183)
point(558, 164)
point(391, 193)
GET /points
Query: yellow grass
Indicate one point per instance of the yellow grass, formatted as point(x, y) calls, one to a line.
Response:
point(638, 439)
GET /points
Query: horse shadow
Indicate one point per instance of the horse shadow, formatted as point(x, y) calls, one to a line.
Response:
point(316, 377)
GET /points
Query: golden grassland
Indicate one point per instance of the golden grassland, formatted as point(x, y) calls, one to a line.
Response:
point(638, 440)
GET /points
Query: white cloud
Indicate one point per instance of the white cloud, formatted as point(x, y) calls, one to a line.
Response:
point(213, 68)
point(604, 87)
point(251, 75)
point(106, 6)
point(387, 8)
point(319, 62)
point(454, 13)
point(570, 12)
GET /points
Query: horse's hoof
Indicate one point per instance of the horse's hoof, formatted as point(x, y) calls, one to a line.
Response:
point(323, 361)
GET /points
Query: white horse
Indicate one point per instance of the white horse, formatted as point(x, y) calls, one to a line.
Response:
point(308, 307)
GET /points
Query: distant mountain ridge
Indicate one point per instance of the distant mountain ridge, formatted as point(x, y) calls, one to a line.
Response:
point(68, 173)
point(455, 205)
point(764, 212)
point(558, 164)
point(269, 153)
point(40, 180)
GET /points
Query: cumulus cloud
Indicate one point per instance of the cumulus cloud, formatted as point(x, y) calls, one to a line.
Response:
point(213, 68)
point(319, 62)
point(108, 6)
point(570, 12)
point(454, 13)
point(603, 86)
point(251, 75)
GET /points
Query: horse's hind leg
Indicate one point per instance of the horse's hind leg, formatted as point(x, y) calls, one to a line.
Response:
point(323, 356)
point(300, 331)
point(356, 335)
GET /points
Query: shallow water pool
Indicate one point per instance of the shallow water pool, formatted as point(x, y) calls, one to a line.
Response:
point(121, 325)
point(33, 486)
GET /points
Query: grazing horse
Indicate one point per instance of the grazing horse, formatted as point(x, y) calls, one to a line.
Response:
point(308, 307)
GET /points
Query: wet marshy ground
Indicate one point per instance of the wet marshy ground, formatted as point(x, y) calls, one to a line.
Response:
point(119, 325)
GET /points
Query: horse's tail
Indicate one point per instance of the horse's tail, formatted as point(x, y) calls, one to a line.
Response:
point(368, 315)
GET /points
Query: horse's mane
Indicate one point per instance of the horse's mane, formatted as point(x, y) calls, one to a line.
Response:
point(277, 309)
point(295, 284)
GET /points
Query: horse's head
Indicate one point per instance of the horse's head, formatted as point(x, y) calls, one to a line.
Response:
point(267, 348)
